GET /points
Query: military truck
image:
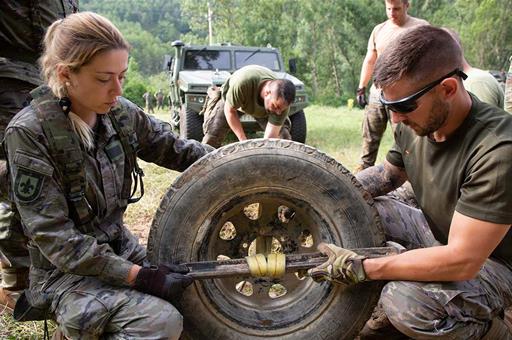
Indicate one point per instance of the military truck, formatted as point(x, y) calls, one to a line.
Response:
point(194, 68)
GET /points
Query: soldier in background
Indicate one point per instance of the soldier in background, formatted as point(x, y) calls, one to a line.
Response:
point(479, 82)
point(256, 91)
point(159, 99)
point(148, 99)
point(375, 116)
point(508, 89)
point(22, 27)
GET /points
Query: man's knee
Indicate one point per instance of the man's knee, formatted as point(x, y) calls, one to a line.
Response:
point(409, 308)
point(81, 315)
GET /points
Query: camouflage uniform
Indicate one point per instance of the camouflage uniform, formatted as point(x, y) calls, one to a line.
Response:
point(375, 121)
point(79, 277)
point(508, 89)
point(22, 26)
point(448, 310)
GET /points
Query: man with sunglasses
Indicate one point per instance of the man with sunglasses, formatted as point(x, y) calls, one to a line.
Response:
point(375, 116)
point(454, 280)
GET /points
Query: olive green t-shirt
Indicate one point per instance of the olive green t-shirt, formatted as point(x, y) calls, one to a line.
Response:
point(242, 91)
point(483, 85)
point(470, 172)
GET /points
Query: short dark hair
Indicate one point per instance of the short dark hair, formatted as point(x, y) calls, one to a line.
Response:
point(285, 89)
point(420, 54)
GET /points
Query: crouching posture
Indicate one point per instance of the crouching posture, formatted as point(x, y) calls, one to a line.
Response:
point(72, 157)
point(455, 280)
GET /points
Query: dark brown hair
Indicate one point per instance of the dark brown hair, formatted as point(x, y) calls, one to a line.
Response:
point(421, 54)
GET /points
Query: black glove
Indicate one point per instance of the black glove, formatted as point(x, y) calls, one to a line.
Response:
point(361, 97)
point(166, 281)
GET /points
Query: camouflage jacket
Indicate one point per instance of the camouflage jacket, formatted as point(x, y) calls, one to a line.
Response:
point(38, 190)
point(23, 24)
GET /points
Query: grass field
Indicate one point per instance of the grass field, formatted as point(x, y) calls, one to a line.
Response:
point(335, 131)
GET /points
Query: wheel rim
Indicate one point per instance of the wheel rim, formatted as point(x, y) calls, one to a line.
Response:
point(296, 227)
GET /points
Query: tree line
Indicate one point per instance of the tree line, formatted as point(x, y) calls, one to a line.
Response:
point(327, 38)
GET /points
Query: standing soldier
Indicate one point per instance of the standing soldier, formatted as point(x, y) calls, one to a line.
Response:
point(148, 98)
point(375, 116)
point(159, 99)
point(22, 26)
point(508, 89)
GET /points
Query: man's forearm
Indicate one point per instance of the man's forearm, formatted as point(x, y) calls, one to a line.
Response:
point(439, 263)
point(367, 70)
point(380, 179)
point(234, 122)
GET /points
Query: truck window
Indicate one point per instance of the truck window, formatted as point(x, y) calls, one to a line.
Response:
point(207, 60)
point(267, 59)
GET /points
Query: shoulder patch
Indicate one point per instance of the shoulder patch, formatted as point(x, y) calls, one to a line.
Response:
point(27, 185)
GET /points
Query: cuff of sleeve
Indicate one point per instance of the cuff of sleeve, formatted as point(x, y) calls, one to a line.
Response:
point(116, 272)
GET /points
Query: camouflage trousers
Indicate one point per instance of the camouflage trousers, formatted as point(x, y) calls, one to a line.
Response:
point(86, 308)
point(375, 121)
point(508, 89)
point(14, 258)
point(447, 310)
point(216, 127)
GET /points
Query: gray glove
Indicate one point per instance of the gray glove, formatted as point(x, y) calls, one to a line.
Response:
point(343, 266)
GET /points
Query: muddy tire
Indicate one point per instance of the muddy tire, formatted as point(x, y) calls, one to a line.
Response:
point(191, 124)
point(324, 203)
point(299, 127)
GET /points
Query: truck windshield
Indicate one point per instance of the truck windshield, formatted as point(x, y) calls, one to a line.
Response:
point(207, 60)
point(267, 59)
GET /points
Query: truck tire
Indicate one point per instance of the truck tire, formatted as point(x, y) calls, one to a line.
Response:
point(191, 124)
point(322, 202)
point(299, 127)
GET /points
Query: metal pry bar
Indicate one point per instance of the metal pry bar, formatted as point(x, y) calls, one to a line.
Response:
point(294, 262)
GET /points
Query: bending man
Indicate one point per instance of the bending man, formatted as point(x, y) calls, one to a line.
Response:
point(254, 90)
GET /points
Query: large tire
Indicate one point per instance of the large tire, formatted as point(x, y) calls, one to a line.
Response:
point(326, 200)
point(299, 127)
point(191, 124)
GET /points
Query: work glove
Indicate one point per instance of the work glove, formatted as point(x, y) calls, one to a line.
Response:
point(361, 97)
point(343, 266)
point(166, 281)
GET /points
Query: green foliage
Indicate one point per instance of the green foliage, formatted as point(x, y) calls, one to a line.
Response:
point(134, 85)
point(327, 38)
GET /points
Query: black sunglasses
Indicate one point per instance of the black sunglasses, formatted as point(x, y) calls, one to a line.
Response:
point(409, 104)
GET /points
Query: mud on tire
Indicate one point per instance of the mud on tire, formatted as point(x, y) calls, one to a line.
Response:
point(327, 202)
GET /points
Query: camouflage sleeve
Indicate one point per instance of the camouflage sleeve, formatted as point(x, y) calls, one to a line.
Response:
point(159, 145)
point(39, 197)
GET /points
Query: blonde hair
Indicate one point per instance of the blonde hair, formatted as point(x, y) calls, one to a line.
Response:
point(73, 42)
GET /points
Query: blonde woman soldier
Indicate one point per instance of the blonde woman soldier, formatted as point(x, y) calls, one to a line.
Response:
point(72, 159)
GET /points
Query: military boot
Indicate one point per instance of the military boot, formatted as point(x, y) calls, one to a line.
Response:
point(498, 330)
point(7, 299)
point(379, 327)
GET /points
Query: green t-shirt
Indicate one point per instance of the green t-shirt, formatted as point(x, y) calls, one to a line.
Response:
point(468, 173)
point(242, 91)
point(483, 85)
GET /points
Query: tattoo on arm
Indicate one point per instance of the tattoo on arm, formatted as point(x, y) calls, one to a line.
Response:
point(380, 179)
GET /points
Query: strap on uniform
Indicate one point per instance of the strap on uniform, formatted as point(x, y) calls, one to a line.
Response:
point(67, 152)
point(131, 166)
